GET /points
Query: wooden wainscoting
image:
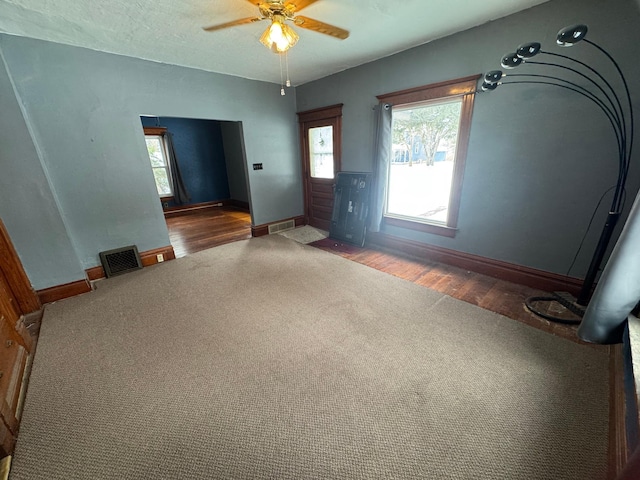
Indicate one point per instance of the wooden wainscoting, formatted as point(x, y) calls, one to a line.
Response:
point(23, 296)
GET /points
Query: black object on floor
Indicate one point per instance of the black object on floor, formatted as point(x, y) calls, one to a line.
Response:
point(350, 207)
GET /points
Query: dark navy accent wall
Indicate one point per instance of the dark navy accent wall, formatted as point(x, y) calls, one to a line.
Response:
point(200, 152)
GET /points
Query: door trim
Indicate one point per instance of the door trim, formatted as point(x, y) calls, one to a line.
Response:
point(325, 116)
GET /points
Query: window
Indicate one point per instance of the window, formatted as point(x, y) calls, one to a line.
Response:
point(430, 132)
point(157, 150)
point(321, 152)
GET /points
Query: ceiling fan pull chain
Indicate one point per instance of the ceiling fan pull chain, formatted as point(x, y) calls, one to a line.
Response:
point(286, 61)
point(281, 76)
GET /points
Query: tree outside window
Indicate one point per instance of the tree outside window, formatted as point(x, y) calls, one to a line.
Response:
point(424, 139)
point(430, 134)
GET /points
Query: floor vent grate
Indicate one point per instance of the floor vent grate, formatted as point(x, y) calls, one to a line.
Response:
point(282, 226)
point(120, 260)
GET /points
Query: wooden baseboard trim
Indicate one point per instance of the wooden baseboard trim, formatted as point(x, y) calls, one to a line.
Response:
point(95, 273)
point(239, 204)
point(169, 211)
point(60, 292)
point(262, 230)
point(148, 257)
point(531, 277)
point(227, 202)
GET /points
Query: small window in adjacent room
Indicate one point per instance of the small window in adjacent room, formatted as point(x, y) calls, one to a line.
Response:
point(156, 147)
point(430, 132)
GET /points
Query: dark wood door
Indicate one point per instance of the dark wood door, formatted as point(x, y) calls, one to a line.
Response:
point(320, 140)
point(16, 292)
point(17, 298)
point(9, 308)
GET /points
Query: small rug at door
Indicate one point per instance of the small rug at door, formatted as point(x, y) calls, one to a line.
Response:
point(305, 234)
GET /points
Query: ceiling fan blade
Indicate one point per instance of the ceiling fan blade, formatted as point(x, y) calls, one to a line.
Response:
point(317, 26)
point(242, 21)
point(298, 4)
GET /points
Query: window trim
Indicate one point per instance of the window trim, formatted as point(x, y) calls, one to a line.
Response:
point(465, 88)
point(161, 132)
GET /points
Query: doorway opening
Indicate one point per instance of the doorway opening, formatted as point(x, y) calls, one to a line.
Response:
point(200, 171)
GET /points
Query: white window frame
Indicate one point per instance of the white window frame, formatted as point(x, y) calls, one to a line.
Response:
point(161, 133)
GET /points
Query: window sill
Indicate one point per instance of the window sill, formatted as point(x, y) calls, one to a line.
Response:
point(443, 230)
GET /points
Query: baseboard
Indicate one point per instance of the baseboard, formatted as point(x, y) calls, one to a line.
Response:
point(60, 292)
point(531, 277)
point(227, 202)
point(262, 230)
point(238, 204)
point(148, 257)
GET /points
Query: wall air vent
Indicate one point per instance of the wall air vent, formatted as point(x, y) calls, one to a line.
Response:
point(120, 260)
point(282, 226)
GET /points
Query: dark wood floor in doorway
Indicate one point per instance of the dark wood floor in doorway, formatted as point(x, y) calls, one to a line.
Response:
point(196, 230)
point(202, 229)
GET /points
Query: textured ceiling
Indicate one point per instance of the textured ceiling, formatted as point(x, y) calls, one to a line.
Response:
point(169, 31)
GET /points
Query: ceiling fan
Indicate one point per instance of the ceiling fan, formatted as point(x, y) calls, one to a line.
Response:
point(280, 37)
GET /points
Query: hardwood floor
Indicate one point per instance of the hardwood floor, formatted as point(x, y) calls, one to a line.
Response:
point(490, 293)
point(201, 229)
point(197, 230)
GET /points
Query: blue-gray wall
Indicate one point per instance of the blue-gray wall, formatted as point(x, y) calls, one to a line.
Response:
point(78, 138)
point(539, 158)
point(75, 177)
point(28, 206)
point(200, 155)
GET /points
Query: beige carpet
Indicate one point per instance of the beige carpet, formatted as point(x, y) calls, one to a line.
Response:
point(268, 359)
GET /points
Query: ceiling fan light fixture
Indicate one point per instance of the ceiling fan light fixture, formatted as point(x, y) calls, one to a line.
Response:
point(279, 37)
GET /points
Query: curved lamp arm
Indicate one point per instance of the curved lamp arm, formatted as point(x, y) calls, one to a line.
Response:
point(626, 88)
point(611, 106)
point(620, 120)
point(580, 90)
point(585, 93)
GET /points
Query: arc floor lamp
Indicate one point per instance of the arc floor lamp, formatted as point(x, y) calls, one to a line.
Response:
point(599, 90)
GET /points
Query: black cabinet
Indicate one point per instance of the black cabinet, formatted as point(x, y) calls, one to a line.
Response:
point(350, 207)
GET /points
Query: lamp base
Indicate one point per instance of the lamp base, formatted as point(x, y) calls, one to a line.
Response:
point(569, 302)
point(570, 313)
